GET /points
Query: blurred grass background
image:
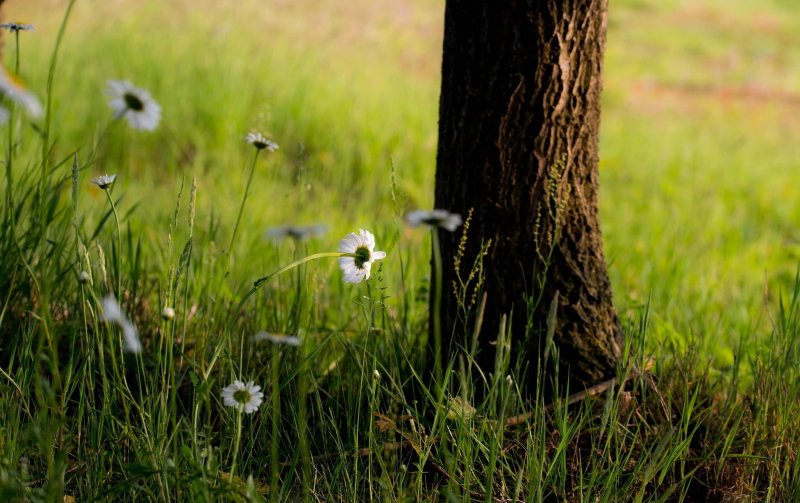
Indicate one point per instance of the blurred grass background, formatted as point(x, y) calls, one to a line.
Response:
point(700, 172)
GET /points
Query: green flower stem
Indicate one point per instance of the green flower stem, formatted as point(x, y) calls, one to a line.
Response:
point(437, 307)
point(260, 282)
point(119, 244)
point(236, 442)
point(16, 61)
point(244, 199)
point(10, 180)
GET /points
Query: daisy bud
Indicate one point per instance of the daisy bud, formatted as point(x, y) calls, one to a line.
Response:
point(168, 313)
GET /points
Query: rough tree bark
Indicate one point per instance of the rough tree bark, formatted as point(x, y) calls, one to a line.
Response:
point(518, 137)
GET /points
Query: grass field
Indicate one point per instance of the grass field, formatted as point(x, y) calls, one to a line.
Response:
point(700, 208)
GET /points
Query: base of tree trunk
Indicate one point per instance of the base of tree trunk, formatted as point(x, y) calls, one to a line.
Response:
point(518, 137)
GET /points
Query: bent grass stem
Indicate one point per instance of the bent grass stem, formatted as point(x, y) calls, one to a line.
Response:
point(257, 284)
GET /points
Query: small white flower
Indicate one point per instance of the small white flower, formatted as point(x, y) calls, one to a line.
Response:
point(14, 90)
point(361, 245)
point(509, 380)
point(258, 141)
point(104, 181)
point(13, 27)
point(289, 340)
point(168, 313)
point(296, 233)
point(112, 313)
point(138, 107)
point(84, 277)
point(244, 397)
point(376, 375)
point(434, 218)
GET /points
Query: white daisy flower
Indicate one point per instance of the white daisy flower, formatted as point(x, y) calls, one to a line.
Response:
point(244, 397)
point(17, 26)
point(258, 141)
point(104, 181)
point(112, 313)
point(289, 340)
point(361, 245)
point(136, 104)
point(13, 89)
point(434, 218)
point(296, 233)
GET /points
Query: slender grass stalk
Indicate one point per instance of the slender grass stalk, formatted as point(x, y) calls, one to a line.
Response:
point(44, 182)
point(275, 491)
point(302, 423)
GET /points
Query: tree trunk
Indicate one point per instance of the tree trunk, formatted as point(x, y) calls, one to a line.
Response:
point(518, 135)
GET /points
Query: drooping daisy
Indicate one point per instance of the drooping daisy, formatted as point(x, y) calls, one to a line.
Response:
point(296, 233)
point(15, 90)
point(104, 181)
point(258, 141)
point(17, 26)
point(434, 218)
point(136, 104)
point(112, 313)
point(361, 245)
point(289, 340)
point(244, 397)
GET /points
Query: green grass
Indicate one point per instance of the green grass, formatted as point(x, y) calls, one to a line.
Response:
point(700, 204)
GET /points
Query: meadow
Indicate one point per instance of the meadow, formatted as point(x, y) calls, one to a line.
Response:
point(700, 210)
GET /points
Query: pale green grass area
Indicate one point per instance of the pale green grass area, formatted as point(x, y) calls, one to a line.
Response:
point(699, 171)
point(700, 209)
